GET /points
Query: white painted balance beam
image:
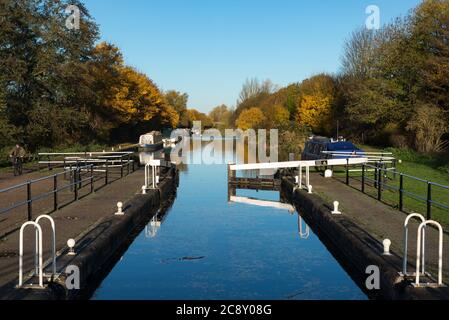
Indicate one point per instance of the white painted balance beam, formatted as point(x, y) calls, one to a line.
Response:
point(262, 203)
point(296, 164)
point(159, 163)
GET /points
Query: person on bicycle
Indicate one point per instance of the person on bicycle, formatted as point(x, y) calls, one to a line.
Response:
point(17, 154)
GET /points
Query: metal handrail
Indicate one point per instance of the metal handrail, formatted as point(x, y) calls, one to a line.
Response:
point(379, 183)
point(84, 153)
point(78, 178)
point(34, 181)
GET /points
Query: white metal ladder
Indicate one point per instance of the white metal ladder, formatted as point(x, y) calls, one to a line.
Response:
point(440, 252)
point(405, 254)
point(38, 261)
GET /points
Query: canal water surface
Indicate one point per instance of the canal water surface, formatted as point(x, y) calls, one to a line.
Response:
point(207, 248)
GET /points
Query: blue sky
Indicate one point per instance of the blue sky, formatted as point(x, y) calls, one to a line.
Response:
point(208, 48)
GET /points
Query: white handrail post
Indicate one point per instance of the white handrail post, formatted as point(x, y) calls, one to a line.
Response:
point(153, 168)
point(38, 230)
point(440, 251)
point(307, 176)
point(53, 227)
point(146, 175)
point(405, 254)
point(300, 177)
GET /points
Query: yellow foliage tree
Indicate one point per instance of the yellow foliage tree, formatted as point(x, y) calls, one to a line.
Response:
point(195, 115)
point(251, 118)
point(126, 95)
point(281, 115)
point(316, 112)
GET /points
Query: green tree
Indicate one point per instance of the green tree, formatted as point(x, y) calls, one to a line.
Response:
point(39, 57)
point(220, 115)
point(177, 101)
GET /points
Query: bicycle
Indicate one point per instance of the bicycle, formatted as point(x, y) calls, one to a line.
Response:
point(18, 166)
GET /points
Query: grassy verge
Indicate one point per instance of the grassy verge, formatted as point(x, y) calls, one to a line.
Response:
point(427, 168)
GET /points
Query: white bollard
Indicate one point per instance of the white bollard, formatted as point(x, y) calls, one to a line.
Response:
point(328, 173)
point(387, 244)
point(336, 205)
point(296, 179)
point(119, 209)
point(309, 188)
point(71, 245)
point(144, 190)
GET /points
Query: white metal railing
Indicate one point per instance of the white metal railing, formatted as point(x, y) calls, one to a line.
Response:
point(406, 224)
point(440, 251)
point(300, 165)
point(152, 178)
point(384, 157)
point(38, 253)
point(153, 167)
point(299, 179)
point(113, 158)
point(85, 153)
point(296, 164)
point(53, 247)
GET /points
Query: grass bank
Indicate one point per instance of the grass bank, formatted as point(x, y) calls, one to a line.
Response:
point(425, 167)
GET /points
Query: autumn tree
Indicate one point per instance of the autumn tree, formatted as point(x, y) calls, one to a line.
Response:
point(220, 115)
point(59, 88)
point(195, 115)
point(316, 103)
point(281, 115)
point(126, 98)
point(251, 118)
point(253, 87)
point(253, 93)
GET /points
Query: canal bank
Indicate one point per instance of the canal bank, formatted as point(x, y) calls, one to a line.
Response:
point(99, 235)
point(355, 237)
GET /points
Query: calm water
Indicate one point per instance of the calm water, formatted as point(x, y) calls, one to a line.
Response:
point(207, 248)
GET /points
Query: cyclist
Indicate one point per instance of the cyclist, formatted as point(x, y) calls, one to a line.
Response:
point(17, 154)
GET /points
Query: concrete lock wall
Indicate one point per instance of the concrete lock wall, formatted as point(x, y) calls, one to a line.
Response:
point(352, 246)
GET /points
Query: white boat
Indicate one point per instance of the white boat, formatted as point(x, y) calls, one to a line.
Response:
point(151, 140)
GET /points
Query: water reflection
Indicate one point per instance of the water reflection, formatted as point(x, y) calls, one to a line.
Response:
point(152, 228)
point(232, 197)
point(155, 224)
point(213, 246)
point(303, 231)
point(303, 228)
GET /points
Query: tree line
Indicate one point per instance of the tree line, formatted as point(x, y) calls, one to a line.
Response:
point(59, 86)
point(392, 90)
